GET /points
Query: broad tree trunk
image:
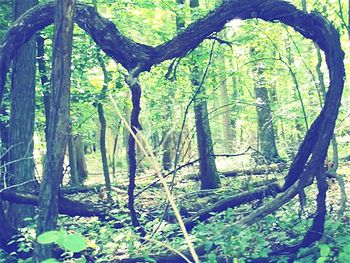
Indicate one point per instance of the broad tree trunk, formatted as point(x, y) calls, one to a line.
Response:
point(21, 128)
point(58, 125)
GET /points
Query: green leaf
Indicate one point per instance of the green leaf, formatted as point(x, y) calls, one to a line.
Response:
point(50, 260)
point(48, 237)
point(321, 260)
point(324, 250)
point(208, 245)
point(346, 249)
point(73, 242)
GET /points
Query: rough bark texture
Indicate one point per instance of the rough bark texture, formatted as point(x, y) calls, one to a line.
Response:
point(135, 87)
point(58, 125)
point(208, 175)
point(21, 128)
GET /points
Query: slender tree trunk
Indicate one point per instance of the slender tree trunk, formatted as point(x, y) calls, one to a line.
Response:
point(103, 151)
point(168, 150)
point(297, 94)
point(21, 128)
point(80, 158)
point(58, 125)
point(135, 87)
point(45, 83)
point(208, 175)
point(114, 154)
point(234, 109)
point(228, 134)
point(72, 159)
point(103, 128)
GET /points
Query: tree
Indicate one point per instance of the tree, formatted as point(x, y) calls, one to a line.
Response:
point(208, 176)
point(266, 133)
point(59, 123)
point(21, 128)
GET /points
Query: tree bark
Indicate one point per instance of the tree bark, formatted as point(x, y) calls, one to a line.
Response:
point(103, 150)
point(22, 111)
point(133, 81)
point(80, 158)
point(208, 177)
point(58, 125)
point(228, 134)
point(266, 131)
point(72, 159)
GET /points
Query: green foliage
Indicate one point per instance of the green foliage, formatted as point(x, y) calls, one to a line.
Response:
point(70, 242)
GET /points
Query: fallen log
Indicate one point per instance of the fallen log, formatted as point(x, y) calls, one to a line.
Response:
point(231, 202)
point(66, 206)
point(259, 170)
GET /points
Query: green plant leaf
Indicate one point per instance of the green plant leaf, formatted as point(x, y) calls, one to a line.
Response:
point(324, 250)
point(50, 260)
point(73, 242)
point(48, 237)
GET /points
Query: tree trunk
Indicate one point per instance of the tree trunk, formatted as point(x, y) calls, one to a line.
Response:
point(21, 128)
point(58, 125)
point(297, 94)
point(44, 79)
point(265, 124)
point(168, 150)
point(103, 151)
point(209, 177)
point(228, 134)
point(135, 87)
point(80, 158)
point(72, 159)
point(322, 87)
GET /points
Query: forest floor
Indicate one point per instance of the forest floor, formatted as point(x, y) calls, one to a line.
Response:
point(285, 226)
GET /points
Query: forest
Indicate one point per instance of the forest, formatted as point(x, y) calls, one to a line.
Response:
point(174, 131)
